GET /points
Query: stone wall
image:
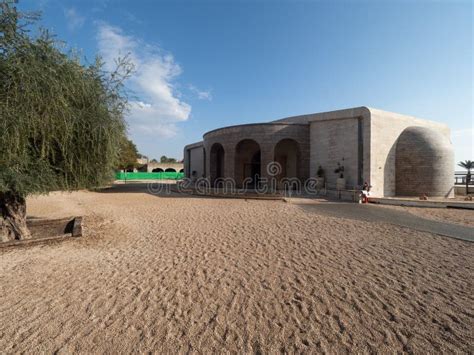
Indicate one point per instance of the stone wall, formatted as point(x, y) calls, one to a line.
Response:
point(267, 135)
point(424, 163)
point(385, 129)
point(194, 160)
point(335, 141)
point(337, 135)
point(163, 166)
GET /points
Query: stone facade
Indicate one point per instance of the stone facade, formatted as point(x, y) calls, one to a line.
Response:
point(194, 160)
point(424, 158)
point(336, 142)
point(149, 167)
point(363, 140)
point(385, 129)
point(265, 137)
point(164, 167)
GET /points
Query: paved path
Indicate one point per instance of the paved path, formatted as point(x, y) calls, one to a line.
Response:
point(372, 213)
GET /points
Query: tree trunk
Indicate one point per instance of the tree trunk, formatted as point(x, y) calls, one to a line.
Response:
point(13, 217)
point(468, 180)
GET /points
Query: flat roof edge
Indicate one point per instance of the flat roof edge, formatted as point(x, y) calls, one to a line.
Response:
point(340, 114)
point(194, 145)
point(348, 112)
point(382, 112)
point(258, 124)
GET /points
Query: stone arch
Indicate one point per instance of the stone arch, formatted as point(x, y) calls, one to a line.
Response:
point(217, 162)
point(424, 163)
point(157, 170)
point(170, 170)
point(287, 153)
point(247, 162)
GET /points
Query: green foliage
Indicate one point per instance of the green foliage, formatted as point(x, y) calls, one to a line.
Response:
point(128, 155)
point(467, 164)
point(165, 159)
point(61, 122)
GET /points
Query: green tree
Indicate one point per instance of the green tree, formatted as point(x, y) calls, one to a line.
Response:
point(61, 122)
point(468, 165)
point(165, 159)
point(128, 155)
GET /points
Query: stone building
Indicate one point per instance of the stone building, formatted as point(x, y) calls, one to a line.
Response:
point(150, 166)
point(164, 167)
point(398, 155)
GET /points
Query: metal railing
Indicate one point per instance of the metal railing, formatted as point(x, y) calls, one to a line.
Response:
point(460, 179)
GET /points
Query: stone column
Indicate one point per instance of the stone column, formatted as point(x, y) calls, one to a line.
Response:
point(229, 161)
point(266, 158)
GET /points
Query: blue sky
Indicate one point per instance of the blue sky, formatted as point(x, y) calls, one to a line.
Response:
point(207, 64)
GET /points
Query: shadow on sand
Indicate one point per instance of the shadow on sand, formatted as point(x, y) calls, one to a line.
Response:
point(164, 190)
point(374, 214)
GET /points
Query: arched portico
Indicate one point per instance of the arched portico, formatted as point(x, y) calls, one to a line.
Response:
point(217, 161)
point(287, 154)
point(248, 151)
point(247, 163)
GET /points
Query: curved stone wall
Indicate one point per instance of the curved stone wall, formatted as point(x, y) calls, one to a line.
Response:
point(267, 135)
point(424, 163)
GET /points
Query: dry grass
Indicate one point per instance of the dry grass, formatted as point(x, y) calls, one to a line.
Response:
point(177, 274)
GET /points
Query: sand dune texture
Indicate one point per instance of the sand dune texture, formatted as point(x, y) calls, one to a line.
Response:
point(178, 274)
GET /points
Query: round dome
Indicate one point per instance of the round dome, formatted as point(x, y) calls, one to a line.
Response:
point(424, 163)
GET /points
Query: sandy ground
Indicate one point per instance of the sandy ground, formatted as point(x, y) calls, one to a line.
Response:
point(450, 215)
point(179, 274)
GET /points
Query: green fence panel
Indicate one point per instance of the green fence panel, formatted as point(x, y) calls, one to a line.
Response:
point(149, 176)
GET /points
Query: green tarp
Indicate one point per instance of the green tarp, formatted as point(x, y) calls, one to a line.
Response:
point(149, 176)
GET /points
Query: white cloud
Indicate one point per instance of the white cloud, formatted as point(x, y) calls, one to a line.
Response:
point(75, 20)
point(201, 94)
point(159, 106)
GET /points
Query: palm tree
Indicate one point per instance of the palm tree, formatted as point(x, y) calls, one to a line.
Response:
point(468, 165)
